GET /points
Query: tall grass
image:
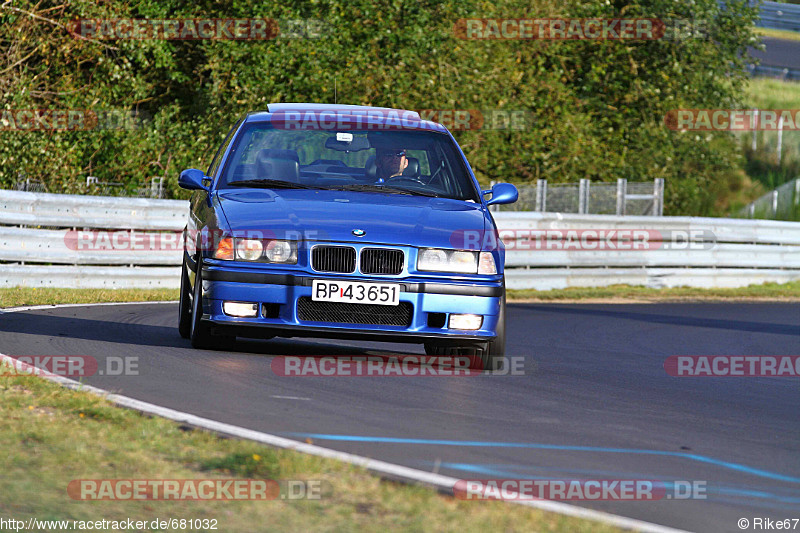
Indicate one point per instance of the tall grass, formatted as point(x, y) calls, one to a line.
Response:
point(761, 164)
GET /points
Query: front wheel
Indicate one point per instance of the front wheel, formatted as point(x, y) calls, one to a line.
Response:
point(496, 348)
point(184, 305)
point(200, 333)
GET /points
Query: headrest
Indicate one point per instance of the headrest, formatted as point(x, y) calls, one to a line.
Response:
point(412, 170)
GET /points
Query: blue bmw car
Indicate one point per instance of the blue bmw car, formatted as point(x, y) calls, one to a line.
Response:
point(343, 222)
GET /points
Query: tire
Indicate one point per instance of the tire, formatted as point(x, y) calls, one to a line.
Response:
point(486, 357)
point(496, 348)
point(185, 305)
point(200, 333)
point(472, 352)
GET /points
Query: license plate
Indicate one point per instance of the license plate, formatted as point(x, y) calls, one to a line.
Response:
point(355, 292)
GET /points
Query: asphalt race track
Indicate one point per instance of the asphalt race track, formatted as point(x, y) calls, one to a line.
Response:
point(595, 401)
point(778, 53)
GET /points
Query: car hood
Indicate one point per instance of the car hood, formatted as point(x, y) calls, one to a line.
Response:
point(322, 215)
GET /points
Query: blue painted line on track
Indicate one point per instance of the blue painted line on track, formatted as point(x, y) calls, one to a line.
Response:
point(539, 446)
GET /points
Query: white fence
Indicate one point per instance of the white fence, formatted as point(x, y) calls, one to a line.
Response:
point(585, 197)
point(37, 247)
point(782, 203)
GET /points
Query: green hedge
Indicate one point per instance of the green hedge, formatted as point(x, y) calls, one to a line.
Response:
point(597, 107)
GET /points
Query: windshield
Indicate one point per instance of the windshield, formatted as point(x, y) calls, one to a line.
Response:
point(411, 162)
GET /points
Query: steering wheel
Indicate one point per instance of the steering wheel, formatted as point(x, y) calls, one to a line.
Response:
point(408, 179)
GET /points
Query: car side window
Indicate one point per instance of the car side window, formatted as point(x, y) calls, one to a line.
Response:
point(213, 168)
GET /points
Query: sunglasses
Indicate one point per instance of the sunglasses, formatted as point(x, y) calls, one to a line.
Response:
point(392, 153)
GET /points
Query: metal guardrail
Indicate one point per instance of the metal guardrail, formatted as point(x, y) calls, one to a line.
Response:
point(779, 16)
point(657, 278)
point(81, 277)
point(725, 230)
point(775, 15)
point(683, 251)
point(72, 210)
point(767, 71)
point(70, 247)
point(726, 252)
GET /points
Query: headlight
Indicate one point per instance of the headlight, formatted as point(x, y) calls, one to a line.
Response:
point(281, 252)
point(269, 251)
point(249, 249)
point(462, 262)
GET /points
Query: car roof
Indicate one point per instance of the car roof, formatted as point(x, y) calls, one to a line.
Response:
point(368, 114)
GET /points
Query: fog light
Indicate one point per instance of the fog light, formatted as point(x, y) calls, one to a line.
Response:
point(240, 309)
point(465, 321)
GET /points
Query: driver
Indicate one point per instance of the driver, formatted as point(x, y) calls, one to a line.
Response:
point(390, 163)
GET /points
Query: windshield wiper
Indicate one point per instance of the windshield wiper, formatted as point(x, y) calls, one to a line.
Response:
point(271, 184)
point(371, 187)
point(417, 192)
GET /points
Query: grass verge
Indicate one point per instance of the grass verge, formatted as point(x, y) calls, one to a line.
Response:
point(19, 296)
point(778, 34)
point(626, 293)
point(768, 93)
point(766, 292)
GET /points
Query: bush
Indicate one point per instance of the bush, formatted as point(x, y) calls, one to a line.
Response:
point(598, 107)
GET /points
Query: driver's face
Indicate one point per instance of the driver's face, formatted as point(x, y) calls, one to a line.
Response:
point(391, 162)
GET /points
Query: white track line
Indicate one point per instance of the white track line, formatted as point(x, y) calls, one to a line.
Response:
point(397, 472)
point(61, 306)
point(299, 398)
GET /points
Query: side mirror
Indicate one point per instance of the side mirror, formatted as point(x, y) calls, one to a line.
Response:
point(192, 179)
point(502, 193)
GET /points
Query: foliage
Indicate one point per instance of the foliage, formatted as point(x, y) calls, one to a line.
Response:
point(598, 106)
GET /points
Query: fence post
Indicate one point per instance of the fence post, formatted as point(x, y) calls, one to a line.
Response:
point(541, 195)
point(658, 208)
point(753, 124)
point(797, 191)
point(775, 202)
point(622, 191)
point(583, 196)
point(780, 139)
point(157, 187)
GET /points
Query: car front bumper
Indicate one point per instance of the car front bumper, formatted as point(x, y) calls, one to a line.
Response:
point(433, 299)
